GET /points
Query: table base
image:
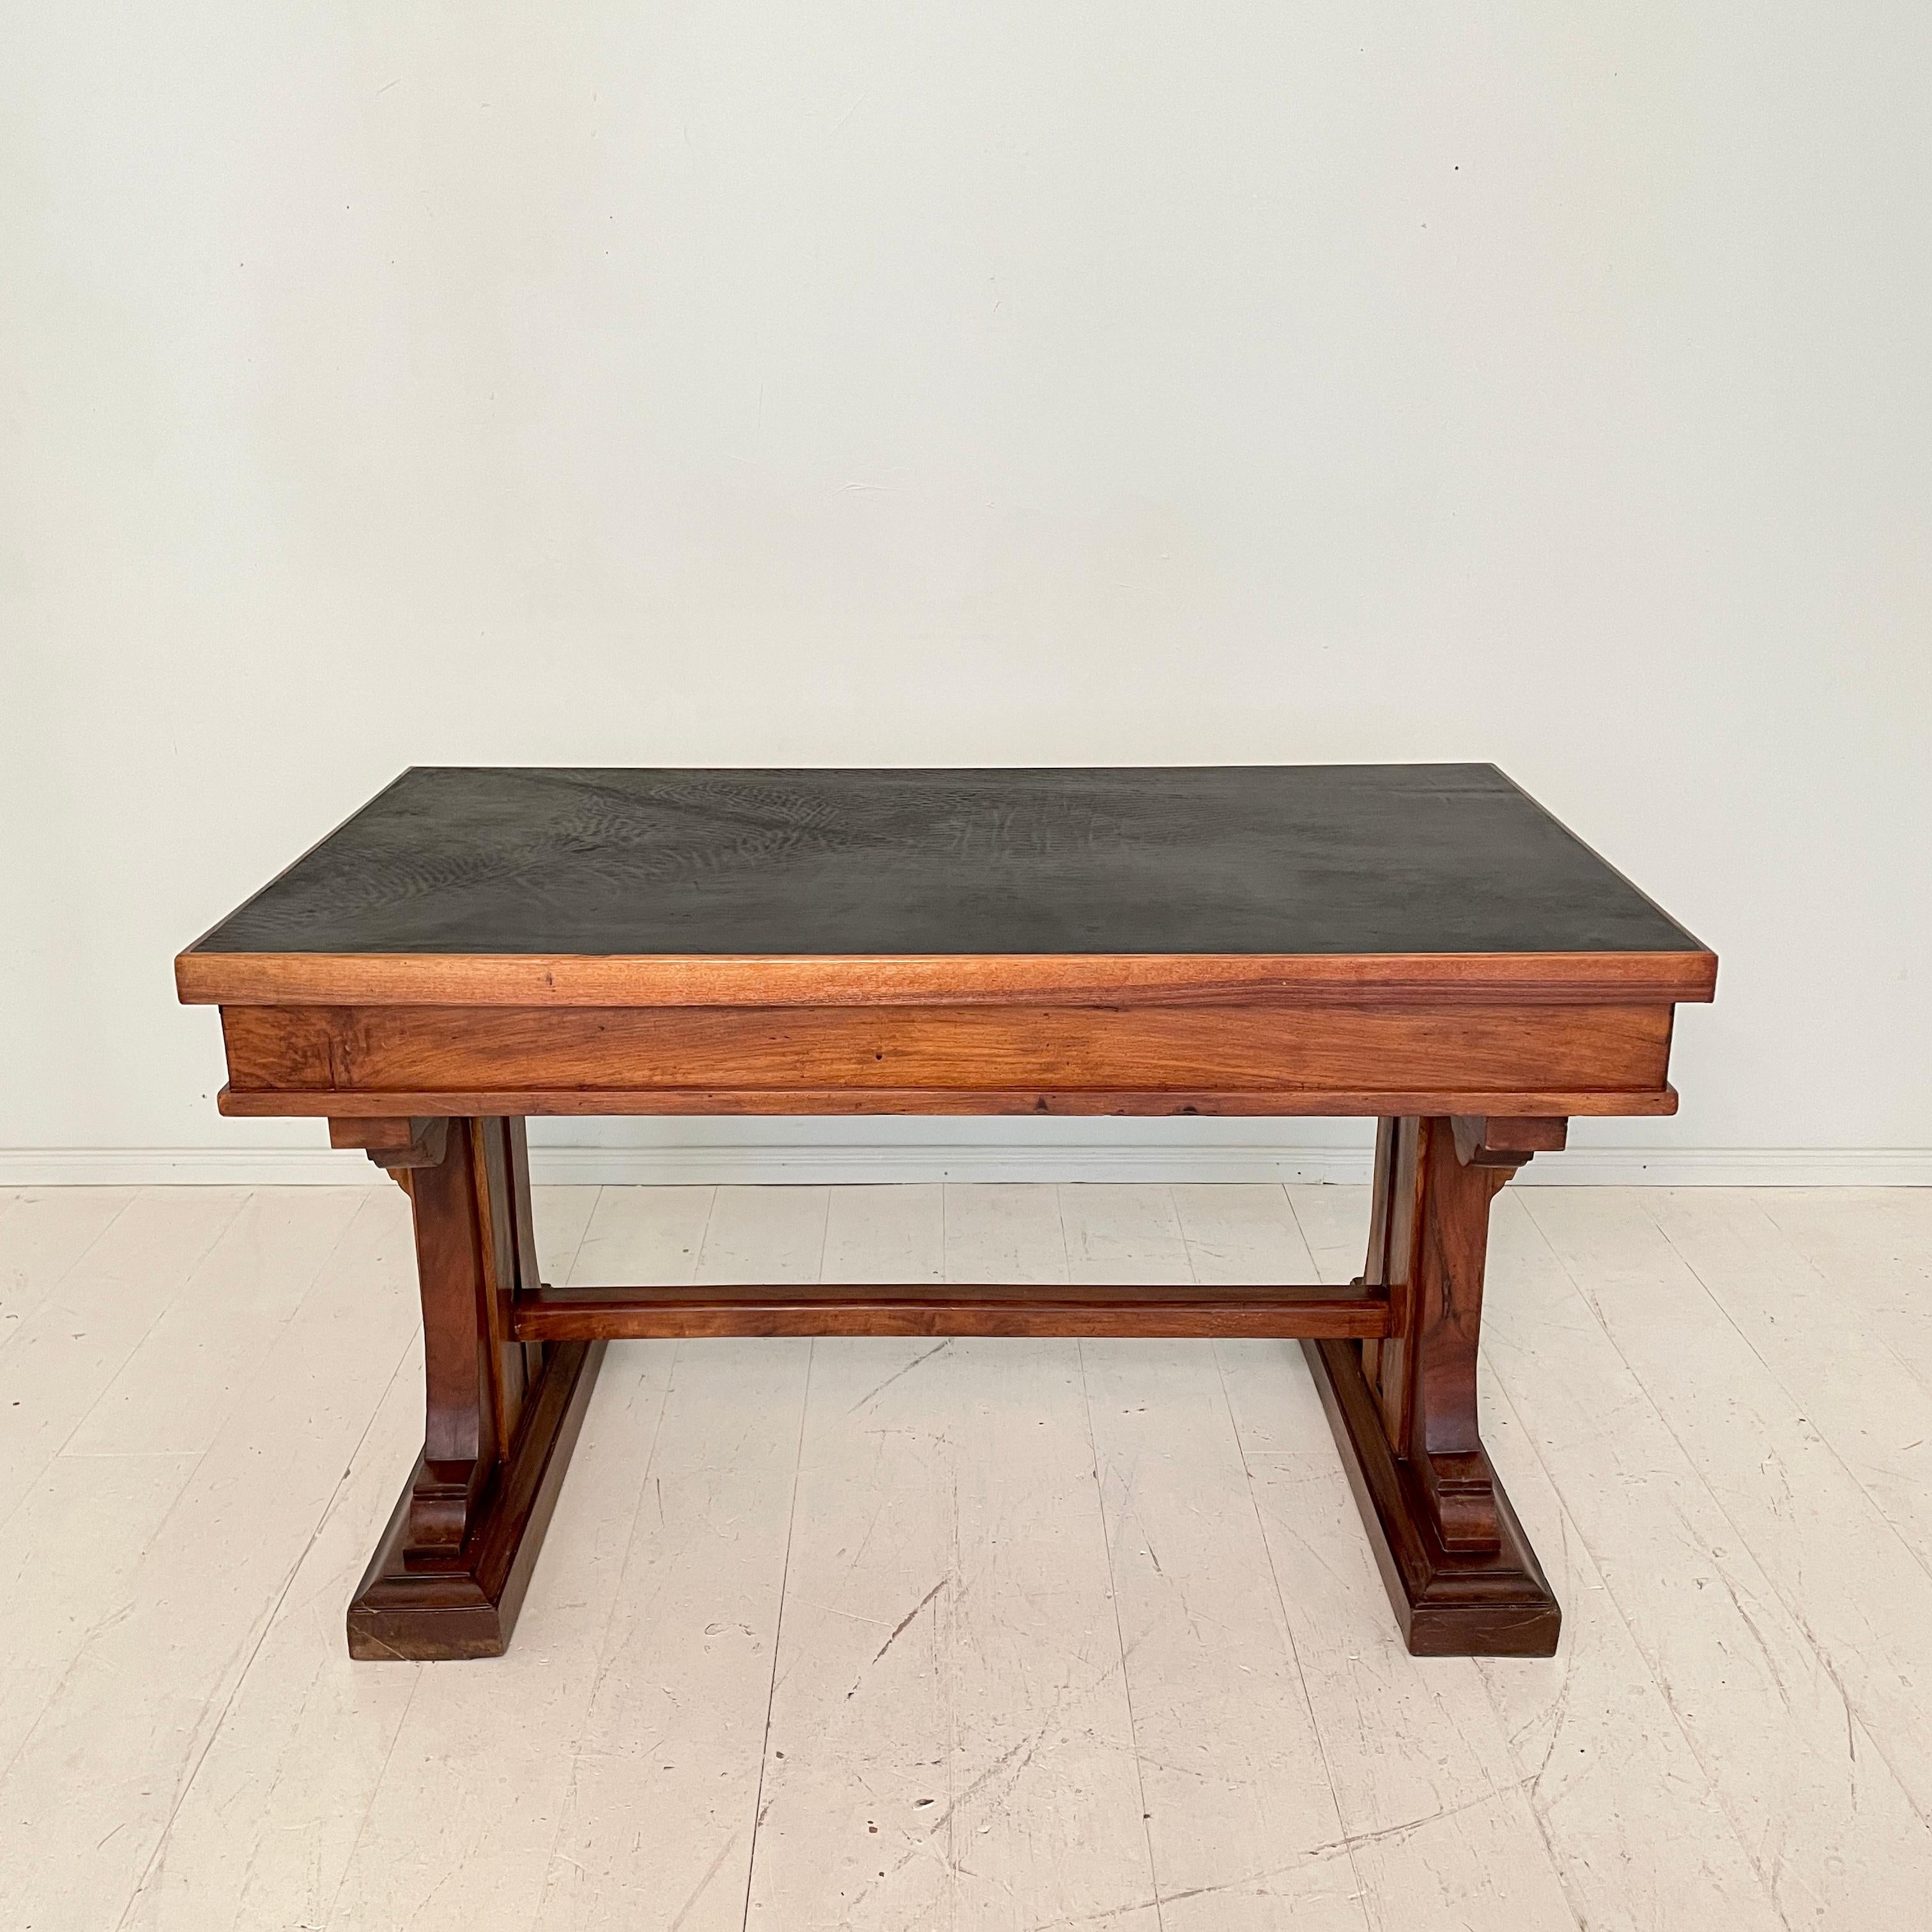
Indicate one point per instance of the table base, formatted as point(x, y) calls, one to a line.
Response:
point(509, 1363)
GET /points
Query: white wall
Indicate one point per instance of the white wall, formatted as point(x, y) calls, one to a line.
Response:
point(632, 383)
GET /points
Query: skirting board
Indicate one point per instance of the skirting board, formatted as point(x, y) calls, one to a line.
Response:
point(849, 1163)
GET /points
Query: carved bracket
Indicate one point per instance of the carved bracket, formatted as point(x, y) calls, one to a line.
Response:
point(395, 1145)
point(1492, 1140)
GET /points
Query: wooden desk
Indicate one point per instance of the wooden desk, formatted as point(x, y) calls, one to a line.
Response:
point(1421, 944)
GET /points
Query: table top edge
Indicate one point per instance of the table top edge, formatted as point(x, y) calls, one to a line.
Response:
point(455, 978)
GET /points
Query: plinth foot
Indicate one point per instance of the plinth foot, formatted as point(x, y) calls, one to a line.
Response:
point(428, 1608)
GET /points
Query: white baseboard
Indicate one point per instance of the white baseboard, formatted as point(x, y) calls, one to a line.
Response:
point(773, 1163)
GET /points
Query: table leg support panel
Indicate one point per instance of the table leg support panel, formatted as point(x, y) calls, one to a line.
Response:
point(501, 1413)
point(1461, 1575)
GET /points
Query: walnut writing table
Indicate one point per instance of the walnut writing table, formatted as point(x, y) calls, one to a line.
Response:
point(1421, 944)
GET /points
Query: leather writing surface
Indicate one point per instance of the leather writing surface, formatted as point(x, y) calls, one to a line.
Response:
point(1268, 859)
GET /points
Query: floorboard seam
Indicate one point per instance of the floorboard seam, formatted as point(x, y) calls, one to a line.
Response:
point(1120, 1633)
point(777, 1627)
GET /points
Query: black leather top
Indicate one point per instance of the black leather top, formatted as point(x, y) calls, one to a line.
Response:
point(1274, 860)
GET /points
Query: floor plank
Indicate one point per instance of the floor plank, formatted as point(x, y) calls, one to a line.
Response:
point(859, 1758)
point(88, 1796)
point(764, 1234)
point(643, 1237)
point(70, 1556)
point(949, 1738)
point(885, 1234)
point(1636, 1826)
point(1852, 1584)
point(1826, 1823)
point(1242, 1823)
point(1239, 1234)
point(1007, 1231)
point(1241, 1817)
point(1860, 1395)
point(1334, 1222)
point(61, 1357)
point(1127, 1234)
point(663, 1794)
point(45, 1232)
point(1874, 1246)
point(208, 1344)
point(562, 1217)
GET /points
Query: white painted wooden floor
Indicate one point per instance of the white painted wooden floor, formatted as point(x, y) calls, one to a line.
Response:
point(885, 1634)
